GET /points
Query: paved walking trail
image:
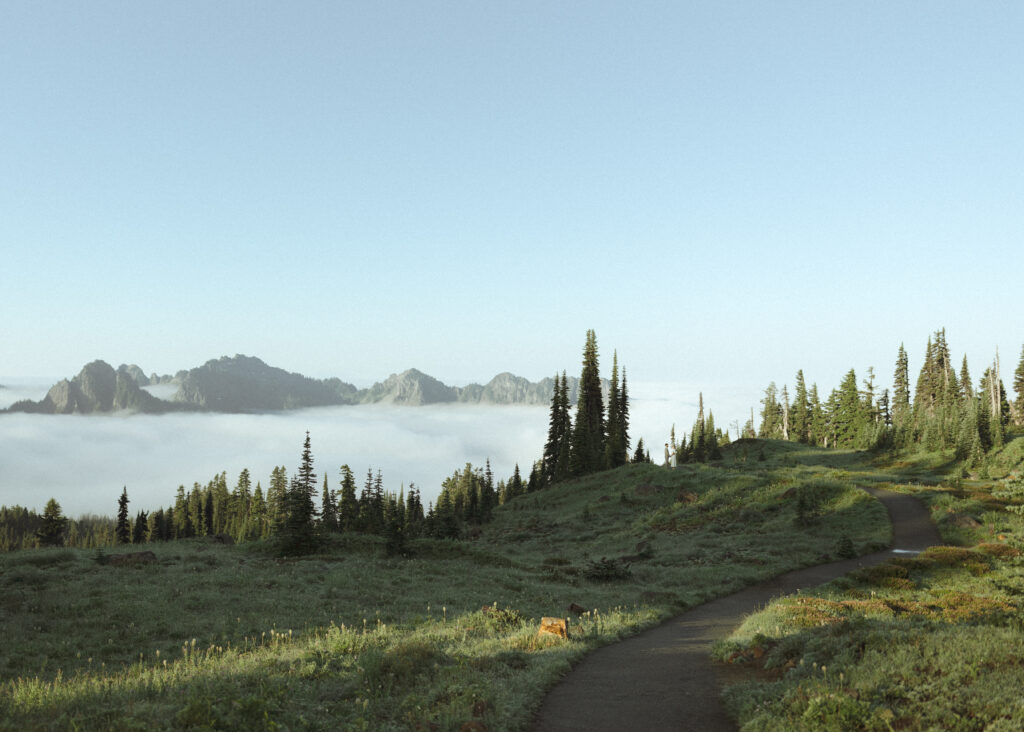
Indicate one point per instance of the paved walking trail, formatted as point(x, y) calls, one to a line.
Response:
point(664, 678)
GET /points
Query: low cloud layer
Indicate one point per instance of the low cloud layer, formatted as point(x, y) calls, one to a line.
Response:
point(83, 461)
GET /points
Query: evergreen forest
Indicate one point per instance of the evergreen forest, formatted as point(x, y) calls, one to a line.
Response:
point(945, 410)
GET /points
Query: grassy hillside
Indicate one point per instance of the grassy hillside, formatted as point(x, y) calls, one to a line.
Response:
point(926, 642)
point(211, 636)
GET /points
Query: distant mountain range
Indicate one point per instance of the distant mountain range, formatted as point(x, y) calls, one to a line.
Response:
point(241, 384)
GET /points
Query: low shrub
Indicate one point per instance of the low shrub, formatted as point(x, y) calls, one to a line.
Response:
point(606, 570)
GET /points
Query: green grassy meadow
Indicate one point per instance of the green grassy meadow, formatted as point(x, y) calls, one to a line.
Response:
point(230, 637)
point(933, 641)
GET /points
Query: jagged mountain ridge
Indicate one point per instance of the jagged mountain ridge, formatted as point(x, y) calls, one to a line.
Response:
point(97, 388)
point(247, 384)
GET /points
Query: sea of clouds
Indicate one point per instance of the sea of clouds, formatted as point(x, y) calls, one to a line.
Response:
point(84, 460)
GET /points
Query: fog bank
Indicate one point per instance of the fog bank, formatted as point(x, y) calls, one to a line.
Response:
point(83, 461)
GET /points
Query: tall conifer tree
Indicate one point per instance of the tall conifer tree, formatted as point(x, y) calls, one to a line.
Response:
point(297, 533)
point(140, 528)
point(615, 445)
point(328, 508)
point(589, 432)
point(348, 503)
point(123, 530)
point(800, 417)
point(818, 419)
point(1018, 389)
point(901, 387)
point(966, 387)
point(556, 450)
point(624, 418)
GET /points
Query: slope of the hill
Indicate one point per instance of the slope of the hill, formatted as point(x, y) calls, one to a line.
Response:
point(216, 636)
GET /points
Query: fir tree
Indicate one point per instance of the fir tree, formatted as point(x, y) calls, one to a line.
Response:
point(377, 501)
point(218, 504)
point(413, 512)
point(784, 404)
point(276, 494)
point(614, 455)
point(564, 466)
point(515, 484)
point(366, 517)
point(556, 450)
point(623, 436)
point(140, 528)
point(348, 504)
point(870, 409)
point(208, 510)
point(183, 526)
point(1018, 389)
point(817, 427)
point(156, 530)
point(885, 409)
point(640, 456)
point(698, 438)
point(240, 506)
point(587, 454)
point(297, 532)
point(711, 447)
point(488, 496)
point(936, 396)
point(800, 415)
point(966, 386)
point(122, 530)
point(901, 388)
point(258, 514)
point(771, 414)
point(54, 525)
point(328, 509)
point(533, 482)
point(995, 408)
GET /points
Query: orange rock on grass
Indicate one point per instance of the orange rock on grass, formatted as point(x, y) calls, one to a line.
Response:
point(553, 626)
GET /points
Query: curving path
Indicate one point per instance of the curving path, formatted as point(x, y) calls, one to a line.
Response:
point(664, 678)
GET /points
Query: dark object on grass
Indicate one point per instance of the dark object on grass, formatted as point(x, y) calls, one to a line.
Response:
point(606, 570)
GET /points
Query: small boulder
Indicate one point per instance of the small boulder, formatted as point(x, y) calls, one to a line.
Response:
point(553, 626)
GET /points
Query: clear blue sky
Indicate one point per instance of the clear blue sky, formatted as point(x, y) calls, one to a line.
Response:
point(725, 192)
